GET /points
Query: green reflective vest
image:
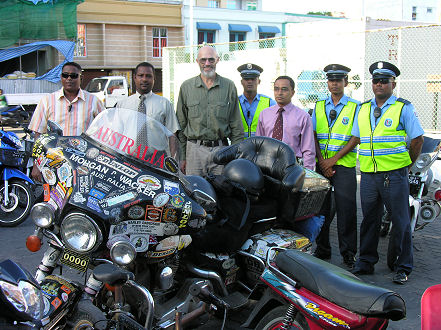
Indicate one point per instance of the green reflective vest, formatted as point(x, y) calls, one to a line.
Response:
point(332, 139)
point(384, 148)
point(264, 103)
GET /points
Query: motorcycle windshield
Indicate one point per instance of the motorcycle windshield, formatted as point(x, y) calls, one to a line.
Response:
point(430, 145)
point(135, 134)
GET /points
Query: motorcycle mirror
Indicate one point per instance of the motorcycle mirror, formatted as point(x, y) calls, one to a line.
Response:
point(53, 127)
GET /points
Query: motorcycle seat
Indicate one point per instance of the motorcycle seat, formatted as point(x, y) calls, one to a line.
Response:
point(111, 274)
point(340, 286)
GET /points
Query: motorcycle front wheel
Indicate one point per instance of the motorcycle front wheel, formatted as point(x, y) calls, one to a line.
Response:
point(274, 319)
point(87, 316)
point(19, 205)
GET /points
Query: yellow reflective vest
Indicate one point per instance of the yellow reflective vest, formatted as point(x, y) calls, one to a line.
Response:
point(250, 130)
point(332, 139)
point(384, 148)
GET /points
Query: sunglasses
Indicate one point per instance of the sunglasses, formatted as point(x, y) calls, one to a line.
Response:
point(383, 81)
point(72, 75)
point(210, 60)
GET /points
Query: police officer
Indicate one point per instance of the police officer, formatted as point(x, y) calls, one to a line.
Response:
point(251, 103)
point(382, 124)
point(332, 120)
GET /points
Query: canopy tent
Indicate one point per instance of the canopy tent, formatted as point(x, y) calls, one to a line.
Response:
point(64, 47)
point(37, 20)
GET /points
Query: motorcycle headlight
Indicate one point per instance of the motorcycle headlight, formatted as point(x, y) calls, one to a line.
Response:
point(25, 297)
point(43, 214)
point(122, 251)
point(80, 233)
point(314, 181)
point(423, 160)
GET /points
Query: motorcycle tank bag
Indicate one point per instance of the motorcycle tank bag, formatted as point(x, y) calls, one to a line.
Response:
point(247, 174)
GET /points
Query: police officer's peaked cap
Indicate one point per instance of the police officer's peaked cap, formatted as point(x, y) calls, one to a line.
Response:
point(383, 69)
point(249, 70)
point(336, 71)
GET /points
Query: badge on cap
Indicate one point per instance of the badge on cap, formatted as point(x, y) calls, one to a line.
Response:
point(249, 66)
point(380, 65)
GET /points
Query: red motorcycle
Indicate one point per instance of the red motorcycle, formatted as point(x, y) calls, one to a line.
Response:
point(300, 291)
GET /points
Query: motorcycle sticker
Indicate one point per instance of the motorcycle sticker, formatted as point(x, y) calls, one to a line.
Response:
point(177, 201)
point(84, 184)
point(197, 223)
point(130, 227)
point(92, 203)
point(118, 199)
point(170, 187)
point(46, 192)
point(64, 172)
point(136, 212)
point(131, 203)
point(116, 165)
point(115, 216)
point(185, 216)
point(56, 302)
point(153, 213)
point(50, 288)
point(92, 153)
point(103, 186)
point(160, 254)
point(170, 215)
point(75, 151)
point(78, 144)
point(82, 170)
point(78, 198)
point(140, 242)
point(161, 199)
point(149, 181)
point(174, 242)
point(170, 228)
point(152, 240)
point(329, 318)
point(41, 161)
point(64, 296)
point(171, 164)
point(96, 193)
point(49, 176)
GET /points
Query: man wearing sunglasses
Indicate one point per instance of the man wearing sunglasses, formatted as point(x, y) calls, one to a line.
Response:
point(382, 126)
point(208, 114)
point(332, 122)
point(71, 107)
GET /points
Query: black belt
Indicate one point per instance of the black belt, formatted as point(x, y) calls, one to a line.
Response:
point(210, 144)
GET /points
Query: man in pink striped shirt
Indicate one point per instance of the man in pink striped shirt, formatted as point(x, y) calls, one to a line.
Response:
point(71, 107)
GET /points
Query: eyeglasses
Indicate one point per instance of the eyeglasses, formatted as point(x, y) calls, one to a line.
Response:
point(66, 75)
point(210, 59)
point(383, 81)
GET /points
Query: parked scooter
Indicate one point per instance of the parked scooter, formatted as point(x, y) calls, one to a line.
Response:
point(424, 195)
point(52, 304)
point(16, 195)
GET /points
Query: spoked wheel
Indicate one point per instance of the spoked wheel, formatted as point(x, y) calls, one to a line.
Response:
point(275, 319)
point(16, 210)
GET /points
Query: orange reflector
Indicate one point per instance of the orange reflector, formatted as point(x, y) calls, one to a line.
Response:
point(109, 287)
point(46, 192)
point(33, 243)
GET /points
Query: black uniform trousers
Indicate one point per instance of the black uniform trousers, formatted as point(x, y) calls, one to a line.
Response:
point(345, 193)
point(392, 189)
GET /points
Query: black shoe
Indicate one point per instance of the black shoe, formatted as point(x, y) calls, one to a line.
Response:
point(322, 255)
point(349, 260)
point(361, 271)
point(400, 277)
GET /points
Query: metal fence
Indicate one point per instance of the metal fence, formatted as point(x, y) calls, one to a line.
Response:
point(415, 50)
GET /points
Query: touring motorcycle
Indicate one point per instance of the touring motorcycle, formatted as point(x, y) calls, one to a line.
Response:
point(160, 249)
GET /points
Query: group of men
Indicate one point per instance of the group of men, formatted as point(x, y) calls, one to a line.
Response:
point(210, 115)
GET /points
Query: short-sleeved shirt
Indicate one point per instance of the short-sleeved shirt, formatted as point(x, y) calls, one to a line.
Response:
point(208, 114)
point(73, 117)
point(408, 120)
point(156, 106)
point(251, 108)
point(329, 105)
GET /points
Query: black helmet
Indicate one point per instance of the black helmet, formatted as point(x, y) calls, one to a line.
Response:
point(245, 173)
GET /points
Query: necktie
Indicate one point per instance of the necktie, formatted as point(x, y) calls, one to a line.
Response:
point(142, 125)
point(278, 126)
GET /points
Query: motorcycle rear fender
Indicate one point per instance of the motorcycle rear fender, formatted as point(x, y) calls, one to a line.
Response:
point(265, 302)
point(9, 173)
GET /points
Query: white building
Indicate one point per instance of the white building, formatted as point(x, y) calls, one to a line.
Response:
point(219, 21)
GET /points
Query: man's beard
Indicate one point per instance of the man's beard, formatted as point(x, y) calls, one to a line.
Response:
point(209, 74)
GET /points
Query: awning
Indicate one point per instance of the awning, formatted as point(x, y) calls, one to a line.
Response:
point(239, 28)
point(207, 26)
point(268, 29)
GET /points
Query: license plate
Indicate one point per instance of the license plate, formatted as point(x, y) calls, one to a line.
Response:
point(75, 260)
point(414, 180)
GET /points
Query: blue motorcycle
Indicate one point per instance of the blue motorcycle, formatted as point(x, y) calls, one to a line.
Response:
point(16, 196)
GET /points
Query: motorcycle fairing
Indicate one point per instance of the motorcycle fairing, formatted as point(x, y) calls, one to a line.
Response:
point(9, 173)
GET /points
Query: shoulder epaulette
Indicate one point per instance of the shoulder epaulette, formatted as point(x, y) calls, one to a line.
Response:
point(403, 100)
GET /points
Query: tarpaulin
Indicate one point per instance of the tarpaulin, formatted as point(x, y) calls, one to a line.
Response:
point(64, 47)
